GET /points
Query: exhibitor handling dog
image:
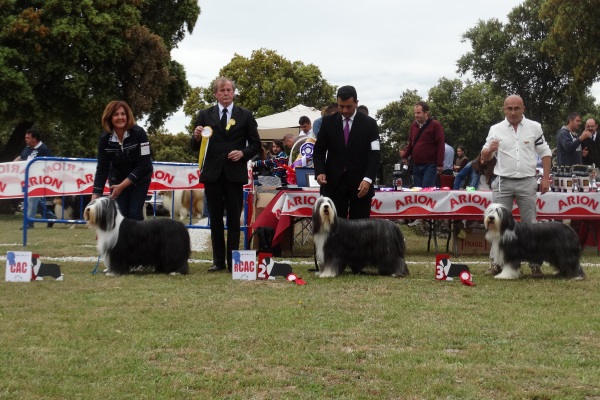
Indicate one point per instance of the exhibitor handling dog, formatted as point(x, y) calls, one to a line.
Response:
point(516, 142)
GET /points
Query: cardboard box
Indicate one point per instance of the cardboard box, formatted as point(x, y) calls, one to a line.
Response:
point(470, 241)
point(262, 200)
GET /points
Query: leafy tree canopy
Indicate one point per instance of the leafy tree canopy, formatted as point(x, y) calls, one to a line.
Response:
point(511, 57)
point(62, 61)
point(574, 38)
point(267, 83)
point(172, 148)
point(466, 112)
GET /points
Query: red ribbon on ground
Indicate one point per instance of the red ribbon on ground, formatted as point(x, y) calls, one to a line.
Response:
point(295, 278)
point(465, 278)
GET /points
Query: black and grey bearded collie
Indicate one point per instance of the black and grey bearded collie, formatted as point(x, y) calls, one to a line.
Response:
point(125, 244)
point(513, 242)
point(359, 243)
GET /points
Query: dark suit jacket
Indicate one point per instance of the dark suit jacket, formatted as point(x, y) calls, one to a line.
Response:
point(360, 157)
point(593, 147)
point(242, 135)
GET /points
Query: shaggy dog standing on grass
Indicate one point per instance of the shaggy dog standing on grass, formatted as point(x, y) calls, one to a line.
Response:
point(513, 242)
point(357, 243)
point(125, 244)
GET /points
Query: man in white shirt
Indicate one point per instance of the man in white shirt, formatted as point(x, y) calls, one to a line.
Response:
point(305, 127)
point(448, 167)
point(516, 142)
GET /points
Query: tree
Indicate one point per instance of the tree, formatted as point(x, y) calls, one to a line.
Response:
point(267, 83)
point(574, 38)
point(172, 148)
point(511, 58)
point(62, 61)
point(466, 111)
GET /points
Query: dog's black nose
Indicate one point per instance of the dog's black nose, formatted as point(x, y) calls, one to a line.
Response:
point(491, 219)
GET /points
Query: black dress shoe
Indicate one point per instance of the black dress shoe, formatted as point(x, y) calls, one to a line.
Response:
point(216, 268)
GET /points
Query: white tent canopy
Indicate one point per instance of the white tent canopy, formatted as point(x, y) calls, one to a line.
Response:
point(275, 126)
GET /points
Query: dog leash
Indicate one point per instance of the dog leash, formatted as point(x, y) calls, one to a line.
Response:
point(96, 267)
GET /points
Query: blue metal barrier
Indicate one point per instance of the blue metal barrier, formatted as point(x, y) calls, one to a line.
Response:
point(26, 220)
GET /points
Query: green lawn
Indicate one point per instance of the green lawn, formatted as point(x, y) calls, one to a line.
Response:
point(205, 336)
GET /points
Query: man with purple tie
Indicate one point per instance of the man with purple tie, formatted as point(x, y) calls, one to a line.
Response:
point(346, 157)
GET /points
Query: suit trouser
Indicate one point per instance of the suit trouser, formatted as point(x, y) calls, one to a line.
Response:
point(222, 195)
point(346, 201)
point(506, 190)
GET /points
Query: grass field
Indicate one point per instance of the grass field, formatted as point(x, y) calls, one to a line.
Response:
point(205, 336)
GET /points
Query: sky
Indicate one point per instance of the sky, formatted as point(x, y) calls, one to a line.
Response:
point(381, 47)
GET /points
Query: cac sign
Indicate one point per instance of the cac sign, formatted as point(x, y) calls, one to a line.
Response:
point(18, 266)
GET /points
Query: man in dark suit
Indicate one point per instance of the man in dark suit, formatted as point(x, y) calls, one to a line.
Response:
point(591, 145)
point(234, 141)
point(347, 156)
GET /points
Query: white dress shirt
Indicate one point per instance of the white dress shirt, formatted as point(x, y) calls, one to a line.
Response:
point(517, 152)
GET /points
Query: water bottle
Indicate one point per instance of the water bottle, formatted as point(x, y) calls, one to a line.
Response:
point(397, 177)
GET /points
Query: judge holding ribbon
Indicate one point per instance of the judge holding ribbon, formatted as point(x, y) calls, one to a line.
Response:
point(227, 138)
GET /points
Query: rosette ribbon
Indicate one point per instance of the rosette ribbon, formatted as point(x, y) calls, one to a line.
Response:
point(306, 153)
point(206, 134)
point(295, 278)
point(466, 279)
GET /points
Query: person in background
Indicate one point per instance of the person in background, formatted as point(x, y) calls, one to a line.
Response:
point(329, 110)
point(256, 172)
point(516, 142)
point(305, 127)
point(34, 147)
point(233, 143)
point(124, 160)
point(288, 142)
point(448, 165)
point(568, 150)
point(379, 178)
point(591, 145)
point(275, 163)
point(426, 146)
point(477, 174)
point(346, 157)
point(461, 159)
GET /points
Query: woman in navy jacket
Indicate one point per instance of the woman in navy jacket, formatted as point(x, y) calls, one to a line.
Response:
point(124, 159)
